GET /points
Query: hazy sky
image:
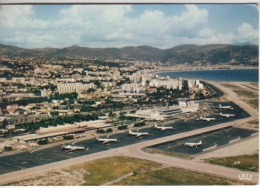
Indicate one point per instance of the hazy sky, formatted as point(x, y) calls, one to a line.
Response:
point(158, 25)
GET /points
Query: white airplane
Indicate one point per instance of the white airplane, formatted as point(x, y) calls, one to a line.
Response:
point(225, 107)
point(162, 127)
point(137, 134)
point(72, 148)
point(226, 115)
point(205, 119)
point(192, 144)
point(106, 140)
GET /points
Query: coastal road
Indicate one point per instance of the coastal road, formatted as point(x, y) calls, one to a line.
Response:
point(134, 150)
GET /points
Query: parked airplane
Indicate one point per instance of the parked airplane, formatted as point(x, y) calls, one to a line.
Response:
point(205, 119)
point(192, 144)
point(225, 107)
point(137, 134)
point(162, 127)
point(72, 148)
point(106, 140)
point(226, 115)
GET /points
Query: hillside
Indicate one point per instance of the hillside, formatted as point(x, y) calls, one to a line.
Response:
point(189, 53)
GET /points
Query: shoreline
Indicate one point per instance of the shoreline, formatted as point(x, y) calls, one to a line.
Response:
point(189, 70)
point(203, 70)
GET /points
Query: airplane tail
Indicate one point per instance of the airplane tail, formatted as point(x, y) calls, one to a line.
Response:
point(155, 125)
point(219, 105)
point(130, 132)
point(97, 138)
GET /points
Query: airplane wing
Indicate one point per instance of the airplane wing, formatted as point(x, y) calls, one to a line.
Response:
point(105, 142)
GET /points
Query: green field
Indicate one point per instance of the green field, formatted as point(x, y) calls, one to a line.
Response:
point(231, 86)
point(254, 84)
point(252, 102)
point(105, 170)
point(254, 121)
point(246, 162)
point(245, 93)
point(157, 151)
point(176, 176)
point(132, 171)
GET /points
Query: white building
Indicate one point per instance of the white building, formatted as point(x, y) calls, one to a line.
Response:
point(74, 87)
point(2, 79)
point(169, 84)
point(45, 93)
point(108, 84)
point(19, 80)
point(201, 86)
point(133, 88)
point(164, 112)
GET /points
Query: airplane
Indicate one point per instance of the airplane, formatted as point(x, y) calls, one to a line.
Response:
point(72, 148)
point(192, 144)
point(106, 140)
point(225, 107)
point(226, 115)
point(205, 119)
point(162, 127)
point(137, 134)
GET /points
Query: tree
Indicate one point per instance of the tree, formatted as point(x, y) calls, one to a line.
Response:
point(54, 113)
point(43, 141)
point(8, 148)
point(109, 130)
point(4, 124)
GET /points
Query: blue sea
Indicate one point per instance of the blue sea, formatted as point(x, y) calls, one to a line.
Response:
point(223, 75)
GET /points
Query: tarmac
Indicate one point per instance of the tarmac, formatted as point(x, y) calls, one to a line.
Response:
point(135, 149)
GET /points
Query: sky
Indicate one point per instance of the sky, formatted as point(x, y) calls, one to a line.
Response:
point(119, 25)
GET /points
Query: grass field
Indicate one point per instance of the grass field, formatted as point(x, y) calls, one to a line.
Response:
point(110, 170)
point(245, 93)
point(254, 121)
point(176, 176)
point(96, 172)
point(105, 170)
point(252, 102)
point(169, 153)
point(231, 86)
point(246, 162)
point(254, 84)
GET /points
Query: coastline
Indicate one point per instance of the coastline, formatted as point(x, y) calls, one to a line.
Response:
point(189, 70)
point(205, 77)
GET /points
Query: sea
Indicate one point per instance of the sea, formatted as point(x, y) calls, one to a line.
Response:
point(221, 75)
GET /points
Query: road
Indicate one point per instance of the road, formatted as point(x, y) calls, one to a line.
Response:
point(134, 150)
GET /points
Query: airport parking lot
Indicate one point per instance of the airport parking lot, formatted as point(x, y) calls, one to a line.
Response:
point(44, 156)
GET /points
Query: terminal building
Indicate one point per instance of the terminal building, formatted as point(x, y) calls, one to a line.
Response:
point(61, 130)
point(166, 112)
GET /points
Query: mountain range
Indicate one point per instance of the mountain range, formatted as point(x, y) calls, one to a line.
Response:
point(213, 53)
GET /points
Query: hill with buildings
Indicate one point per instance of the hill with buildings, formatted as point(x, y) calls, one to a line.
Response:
point(193, 54)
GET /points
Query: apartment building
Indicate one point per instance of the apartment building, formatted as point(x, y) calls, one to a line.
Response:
point(74, 87)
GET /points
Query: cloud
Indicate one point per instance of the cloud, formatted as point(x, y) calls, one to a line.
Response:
point(246, 33)
point(114, 26)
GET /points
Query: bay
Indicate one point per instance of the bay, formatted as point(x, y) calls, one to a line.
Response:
point(221, 75)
